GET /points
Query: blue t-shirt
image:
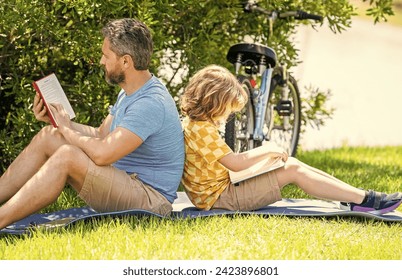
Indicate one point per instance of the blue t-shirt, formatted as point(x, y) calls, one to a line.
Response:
point(151, 114)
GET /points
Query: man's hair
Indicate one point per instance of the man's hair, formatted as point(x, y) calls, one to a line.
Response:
point(212, 93)
point(130, 37)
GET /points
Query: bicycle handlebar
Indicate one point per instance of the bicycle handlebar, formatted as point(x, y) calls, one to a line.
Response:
point(304, 15)
point(251, 6)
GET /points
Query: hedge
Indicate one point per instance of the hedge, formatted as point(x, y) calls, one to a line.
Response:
point(38, 37)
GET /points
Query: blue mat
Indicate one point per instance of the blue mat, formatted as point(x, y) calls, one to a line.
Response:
point(183, 209)
point(67, 217)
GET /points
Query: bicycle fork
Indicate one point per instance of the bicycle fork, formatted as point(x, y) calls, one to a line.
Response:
point(284, 106)
point(260, 101)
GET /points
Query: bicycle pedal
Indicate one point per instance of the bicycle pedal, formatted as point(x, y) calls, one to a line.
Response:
point(284, 108)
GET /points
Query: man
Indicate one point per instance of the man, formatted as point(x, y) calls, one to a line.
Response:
point(133, 160)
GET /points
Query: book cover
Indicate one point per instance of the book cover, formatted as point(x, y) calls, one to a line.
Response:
point(51, 91)
point(259, 168)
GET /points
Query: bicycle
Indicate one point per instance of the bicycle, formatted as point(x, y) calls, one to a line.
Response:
point(273, 112)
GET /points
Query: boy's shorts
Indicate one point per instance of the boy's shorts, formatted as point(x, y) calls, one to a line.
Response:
point(107, 189)
point(251, 194)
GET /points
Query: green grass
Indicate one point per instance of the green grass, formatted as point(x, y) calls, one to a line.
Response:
point(241, 237)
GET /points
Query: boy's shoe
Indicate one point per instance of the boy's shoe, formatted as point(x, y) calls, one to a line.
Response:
point(376, 203)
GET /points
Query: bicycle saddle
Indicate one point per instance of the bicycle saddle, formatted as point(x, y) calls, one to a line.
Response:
point(252, 51)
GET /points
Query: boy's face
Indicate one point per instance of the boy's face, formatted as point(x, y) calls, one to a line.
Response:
point(112, 64)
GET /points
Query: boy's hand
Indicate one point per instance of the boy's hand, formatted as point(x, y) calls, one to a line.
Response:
point(275, 151)
point(281, 154)
point(39, 109)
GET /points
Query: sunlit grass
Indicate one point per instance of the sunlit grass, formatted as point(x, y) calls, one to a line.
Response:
point(233, 238)
point(238, 237)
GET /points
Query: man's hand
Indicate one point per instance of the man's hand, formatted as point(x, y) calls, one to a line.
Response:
point(61, 116)
point(39, 109)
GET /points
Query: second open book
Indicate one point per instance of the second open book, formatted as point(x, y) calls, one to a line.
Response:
point(266, 165)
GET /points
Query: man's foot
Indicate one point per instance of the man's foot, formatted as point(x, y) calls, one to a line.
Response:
point(376, 203)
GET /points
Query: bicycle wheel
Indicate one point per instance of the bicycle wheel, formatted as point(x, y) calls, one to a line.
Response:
point(283, 114)
point(240, 126)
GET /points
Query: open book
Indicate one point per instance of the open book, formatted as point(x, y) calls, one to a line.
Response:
point(51, 91)
point(264, 166)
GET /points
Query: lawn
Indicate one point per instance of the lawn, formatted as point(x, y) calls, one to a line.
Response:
point(246, 238)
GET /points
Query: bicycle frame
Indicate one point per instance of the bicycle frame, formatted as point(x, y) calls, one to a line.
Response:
point(274, 100)
point(260, 97)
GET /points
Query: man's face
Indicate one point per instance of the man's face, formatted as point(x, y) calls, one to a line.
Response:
point(114, 73)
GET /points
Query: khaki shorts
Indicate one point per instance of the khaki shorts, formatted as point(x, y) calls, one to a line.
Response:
point(107, 188)
point(250, 194)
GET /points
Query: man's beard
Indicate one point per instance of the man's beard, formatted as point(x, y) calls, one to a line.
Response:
point(114, 78)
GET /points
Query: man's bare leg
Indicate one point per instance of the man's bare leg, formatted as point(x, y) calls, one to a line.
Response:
point(317, 183)
point(67, 164)
point(31, 159)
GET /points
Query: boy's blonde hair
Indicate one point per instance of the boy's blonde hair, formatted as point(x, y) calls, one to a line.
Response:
point(212, 94)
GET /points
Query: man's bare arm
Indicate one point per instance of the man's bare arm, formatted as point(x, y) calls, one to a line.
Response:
point(40, 113)
point(99, 132)
point(103, 149)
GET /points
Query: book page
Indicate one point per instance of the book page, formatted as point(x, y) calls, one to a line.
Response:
point(52, 92)
point(259, 168)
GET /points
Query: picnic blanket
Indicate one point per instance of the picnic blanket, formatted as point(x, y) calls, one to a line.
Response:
point(184, 209)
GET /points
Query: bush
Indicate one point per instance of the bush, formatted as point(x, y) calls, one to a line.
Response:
point(38, 37)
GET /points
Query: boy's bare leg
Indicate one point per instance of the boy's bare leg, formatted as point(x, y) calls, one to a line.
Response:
point(31, 159)
point(67, 164)
point(317, 183)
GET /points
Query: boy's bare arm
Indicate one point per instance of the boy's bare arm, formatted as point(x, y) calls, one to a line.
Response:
point(237, 162)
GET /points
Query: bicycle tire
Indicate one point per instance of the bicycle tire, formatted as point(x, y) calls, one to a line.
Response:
point(285, 136)
point(240, 126)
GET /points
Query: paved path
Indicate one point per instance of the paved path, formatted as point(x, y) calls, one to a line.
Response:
point(363, 68)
